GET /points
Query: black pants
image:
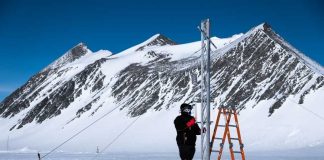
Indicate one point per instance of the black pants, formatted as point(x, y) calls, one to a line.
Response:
point(187, 152)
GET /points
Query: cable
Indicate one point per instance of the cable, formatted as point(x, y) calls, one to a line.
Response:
point(116, 138)
point(207, 37)
point(79, 132)
point(195, 53)
point(308, 110)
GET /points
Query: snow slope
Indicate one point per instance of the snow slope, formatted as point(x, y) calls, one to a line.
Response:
point(257, 72)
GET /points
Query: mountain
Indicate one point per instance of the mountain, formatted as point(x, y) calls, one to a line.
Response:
point(274, 86)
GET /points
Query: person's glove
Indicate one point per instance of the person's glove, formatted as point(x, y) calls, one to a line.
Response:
point(191, 122)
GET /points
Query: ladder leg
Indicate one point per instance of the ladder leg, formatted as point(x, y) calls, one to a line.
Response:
point(225, 133)
point(215, 129)
point(239, 135)
point(229, 136)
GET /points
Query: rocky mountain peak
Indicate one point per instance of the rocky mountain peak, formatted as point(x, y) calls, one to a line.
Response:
point(157, 40)
point(77, 51)
point(263, 26)
point(71, 55)
point(270, 33)
point(266, 26)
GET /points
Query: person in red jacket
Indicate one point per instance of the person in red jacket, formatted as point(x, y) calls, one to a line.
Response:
point(187, 129)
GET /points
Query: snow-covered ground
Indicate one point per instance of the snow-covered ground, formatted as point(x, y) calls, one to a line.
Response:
point(290, 128)
point(281, 155)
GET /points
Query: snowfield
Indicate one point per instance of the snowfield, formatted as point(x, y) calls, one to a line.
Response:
point(292, 128)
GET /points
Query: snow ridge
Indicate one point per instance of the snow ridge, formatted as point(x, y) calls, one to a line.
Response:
point(265, 27)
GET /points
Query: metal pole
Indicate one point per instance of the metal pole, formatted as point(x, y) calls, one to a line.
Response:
point(39, 156)
point(205, 89)
point(202, 87)
point(208, 91)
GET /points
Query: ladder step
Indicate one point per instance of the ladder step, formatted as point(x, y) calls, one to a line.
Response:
point(234, 139)
point(209, 122)
point(226, 112)
point(237, 152)
point(218, 138)
point(230, 125)
point(216, 151)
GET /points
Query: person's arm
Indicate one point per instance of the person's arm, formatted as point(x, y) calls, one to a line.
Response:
point(179, 125)
point(193, 126)
point(196, 129)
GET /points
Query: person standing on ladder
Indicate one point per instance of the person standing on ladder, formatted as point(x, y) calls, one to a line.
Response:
point(187, 129)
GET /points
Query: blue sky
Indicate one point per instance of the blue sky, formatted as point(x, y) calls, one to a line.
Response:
point(34, 33)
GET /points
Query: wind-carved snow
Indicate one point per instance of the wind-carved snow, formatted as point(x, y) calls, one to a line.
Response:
point(256, 72)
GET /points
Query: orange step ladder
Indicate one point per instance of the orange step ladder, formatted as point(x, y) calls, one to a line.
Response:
point(227, 113)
